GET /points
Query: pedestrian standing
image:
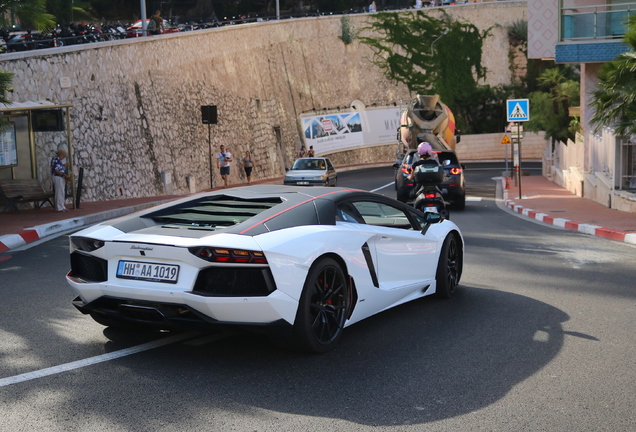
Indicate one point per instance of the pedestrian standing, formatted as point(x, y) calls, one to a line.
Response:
point(59, 175)
point(223, 159)
point(311, 152)
point(248, 164)
point(158, 21)
point(302, 152)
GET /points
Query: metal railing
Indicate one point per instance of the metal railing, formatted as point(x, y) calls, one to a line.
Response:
point(606, 21)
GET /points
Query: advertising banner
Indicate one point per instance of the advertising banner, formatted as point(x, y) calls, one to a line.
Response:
point(336, 132)
point(8, 147)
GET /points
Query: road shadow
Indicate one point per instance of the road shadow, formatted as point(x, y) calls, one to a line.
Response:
point(421, 362)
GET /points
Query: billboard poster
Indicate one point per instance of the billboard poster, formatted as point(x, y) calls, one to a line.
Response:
point(8, 147)
point(336, 132)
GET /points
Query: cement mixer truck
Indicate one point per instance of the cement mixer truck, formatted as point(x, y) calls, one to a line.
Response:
point(428, 119)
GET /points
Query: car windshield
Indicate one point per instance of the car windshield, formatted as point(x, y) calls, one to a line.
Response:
point(212, 212)
point(309, 164)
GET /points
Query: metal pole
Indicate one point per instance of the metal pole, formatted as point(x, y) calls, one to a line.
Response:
point(438, 38)
point(505, 131)
point(210, 153)
point(69, 141)
point(277, 9)
point(519, 152)
point(80, 180)
point(144, 24)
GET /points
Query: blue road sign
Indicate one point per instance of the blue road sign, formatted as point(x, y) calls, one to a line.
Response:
point(518, 110)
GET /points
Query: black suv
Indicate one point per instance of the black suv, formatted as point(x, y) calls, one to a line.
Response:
point(453, 187)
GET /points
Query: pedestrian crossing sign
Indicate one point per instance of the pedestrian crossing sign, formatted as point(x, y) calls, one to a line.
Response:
point(518, 110)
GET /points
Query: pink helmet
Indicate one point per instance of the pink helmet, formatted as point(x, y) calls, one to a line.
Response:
point(424, 148)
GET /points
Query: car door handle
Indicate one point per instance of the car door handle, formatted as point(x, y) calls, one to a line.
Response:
point(385, 239)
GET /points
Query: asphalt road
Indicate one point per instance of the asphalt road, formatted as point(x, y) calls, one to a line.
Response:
point(540, 337)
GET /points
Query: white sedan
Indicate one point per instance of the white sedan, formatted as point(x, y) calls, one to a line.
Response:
point(311, 171)
point(302, 263)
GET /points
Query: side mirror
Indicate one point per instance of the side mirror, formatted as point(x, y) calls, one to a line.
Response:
point(396, 166)
point(430, 218)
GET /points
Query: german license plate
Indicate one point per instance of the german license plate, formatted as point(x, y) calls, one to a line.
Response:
point(151, 272)
point(430, 209)
point(302, 183)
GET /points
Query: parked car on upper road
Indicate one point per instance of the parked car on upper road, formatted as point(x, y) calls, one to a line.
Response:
point(312, 171)
point(136, 31)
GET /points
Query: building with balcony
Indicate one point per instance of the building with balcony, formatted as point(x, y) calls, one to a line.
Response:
point(599, 165)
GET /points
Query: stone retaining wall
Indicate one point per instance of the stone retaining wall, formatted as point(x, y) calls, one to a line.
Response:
point(136, 120)
point(488, 147)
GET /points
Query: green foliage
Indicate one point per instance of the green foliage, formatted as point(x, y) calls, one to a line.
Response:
point(6, 78)
point(549, 107)
point(518, 34)
point(348, 32)
point(402, 49)
point(483, 110)
point(30, 13)
point(431, 56)
point(614, 102)
point(68, 11)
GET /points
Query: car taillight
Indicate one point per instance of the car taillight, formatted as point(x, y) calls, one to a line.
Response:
point(455, 171)
point(429, 196)
point(86, 244)
point(407, 170)
point(238, 256)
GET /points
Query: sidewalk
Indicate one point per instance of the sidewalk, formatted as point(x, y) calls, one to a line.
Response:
point(542, 200)
point(18, 229)
point(549, 203)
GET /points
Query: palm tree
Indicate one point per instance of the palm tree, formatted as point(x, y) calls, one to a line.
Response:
point(550, 106)
point(614, 102)
point(30, 14)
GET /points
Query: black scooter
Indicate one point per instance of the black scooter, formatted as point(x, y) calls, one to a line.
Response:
point(428, 197)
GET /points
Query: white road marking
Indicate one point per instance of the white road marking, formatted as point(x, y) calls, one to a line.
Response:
point(94, 360)
point(382, 187)
point(391, 184)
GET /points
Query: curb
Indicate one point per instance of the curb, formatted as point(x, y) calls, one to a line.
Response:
point(594, 230)
point(30, 235)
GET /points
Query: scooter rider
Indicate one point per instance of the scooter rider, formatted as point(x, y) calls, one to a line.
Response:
point(426, 152)
point(432, 174)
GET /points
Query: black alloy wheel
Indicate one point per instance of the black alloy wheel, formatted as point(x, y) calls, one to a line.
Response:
point(323, 306)
point(449, 268)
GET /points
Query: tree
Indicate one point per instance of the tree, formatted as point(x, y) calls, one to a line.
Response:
point(31, 14)
point(614, 102)
point(68, 11)
point(5, 86)
point(549, 107)
point(432, 56)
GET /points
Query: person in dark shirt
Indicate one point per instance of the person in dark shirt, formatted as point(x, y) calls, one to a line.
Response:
point(59, 174)
point(158, 23)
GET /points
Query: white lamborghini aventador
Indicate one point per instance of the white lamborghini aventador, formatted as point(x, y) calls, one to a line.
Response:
point(302, 263)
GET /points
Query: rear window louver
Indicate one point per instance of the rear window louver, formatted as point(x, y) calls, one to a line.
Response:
point(212, 212)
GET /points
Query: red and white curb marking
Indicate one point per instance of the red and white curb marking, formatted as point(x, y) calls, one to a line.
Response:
point(594, 230)
point(29, 235)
